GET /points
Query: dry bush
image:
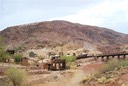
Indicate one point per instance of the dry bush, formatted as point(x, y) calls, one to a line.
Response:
point(109, 66)
point(16, 76)
point(108, 73)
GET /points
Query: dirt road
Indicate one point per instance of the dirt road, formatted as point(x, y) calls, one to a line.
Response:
point(76, 79)
point(71, 77)
point(73, 80)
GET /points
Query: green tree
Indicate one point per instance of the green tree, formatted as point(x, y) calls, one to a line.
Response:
point(3, 55)
point(69, 60)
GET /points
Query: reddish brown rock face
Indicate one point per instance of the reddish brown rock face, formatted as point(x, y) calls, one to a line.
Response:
point(53, 33)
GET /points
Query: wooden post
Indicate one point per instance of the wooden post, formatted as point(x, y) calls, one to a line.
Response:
point(107, 58)
point(124, 57)
point(119, 57)
point(63, 64)
point(95, 58)
point(113, 56)
point(102, 58)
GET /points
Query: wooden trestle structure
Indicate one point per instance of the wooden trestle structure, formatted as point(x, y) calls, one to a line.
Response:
point(106, 57)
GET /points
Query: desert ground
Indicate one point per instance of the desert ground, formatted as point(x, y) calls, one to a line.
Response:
point(69, 77)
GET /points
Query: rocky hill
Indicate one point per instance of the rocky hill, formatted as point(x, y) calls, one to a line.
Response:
point(58, 33)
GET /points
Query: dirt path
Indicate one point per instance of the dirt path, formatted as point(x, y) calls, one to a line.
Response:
point(71, 77)
point(82, 72)
point(76, 79)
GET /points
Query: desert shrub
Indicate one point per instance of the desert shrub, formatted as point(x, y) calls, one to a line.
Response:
point(16, 76)
point(73, 65)
point(88, 78)
point(113, 64)
point(124, 63)
point(110, 66)
point(18, 57)
point(4, 82)
point(32, 54)
point(109, 72)
point(18, 48)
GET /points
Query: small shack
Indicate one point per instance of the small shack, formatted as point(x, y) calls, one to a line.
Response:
point(24, 61)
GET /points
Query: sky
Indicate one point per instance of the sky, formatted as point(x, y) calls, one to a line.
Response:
point(111, 14)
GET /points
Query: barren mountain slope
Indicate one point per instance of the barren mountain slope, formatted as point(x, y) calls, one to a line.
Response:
point(53, 33)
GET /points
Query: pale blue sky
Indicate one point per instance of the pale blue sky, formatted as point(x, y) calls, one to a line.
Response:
point(105, 13)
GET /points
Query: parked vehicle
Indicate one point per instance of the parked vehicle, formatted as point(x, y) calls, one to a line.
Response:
point(82, 55)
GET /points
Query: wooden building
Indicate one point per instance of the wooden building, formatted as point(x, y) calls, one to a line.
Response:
point(24, 61)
